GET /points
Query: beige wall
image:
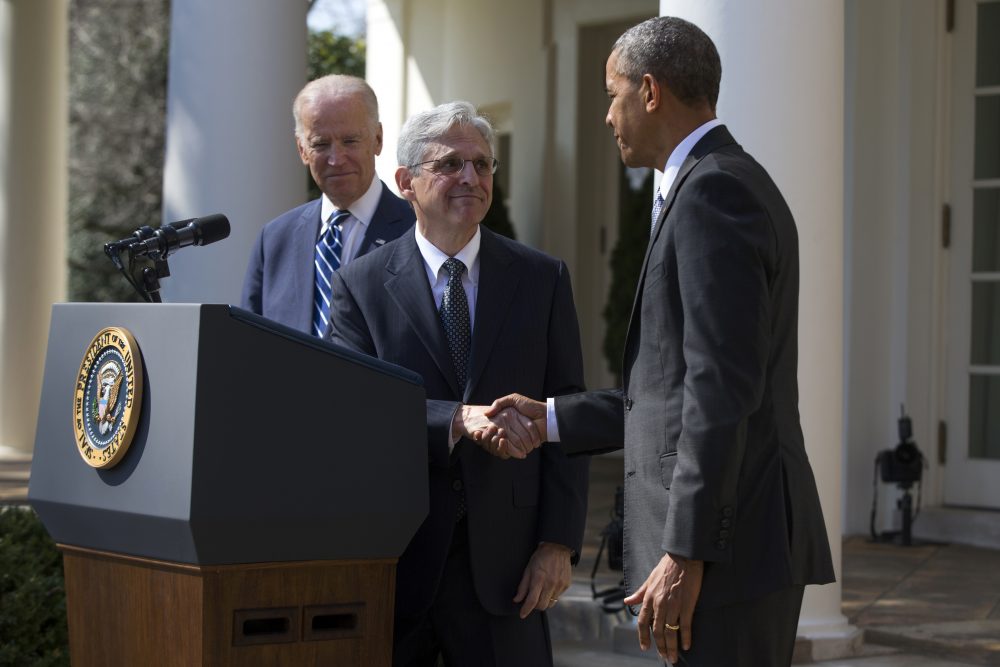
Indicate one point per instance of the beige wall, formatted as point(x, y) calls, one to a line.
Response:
point(33, 177)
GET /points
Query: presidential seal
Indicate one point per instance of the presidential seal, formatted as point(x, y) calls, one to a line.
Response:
point(108, 397)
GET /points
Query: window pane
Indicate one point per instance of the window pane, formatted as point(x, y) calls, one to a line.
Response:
point(987, 45)
point(984, 417)
point(987, 137)
point(986, 230)
point(985, 324)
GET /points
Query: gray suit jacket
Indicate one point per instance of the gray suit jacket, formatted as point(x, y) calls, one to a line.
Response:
point(525, 339)
point(279, 282)
point(715, 466)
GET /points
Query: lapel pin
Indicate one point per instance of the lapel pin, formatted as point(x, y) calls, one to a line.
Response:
point(379, 241)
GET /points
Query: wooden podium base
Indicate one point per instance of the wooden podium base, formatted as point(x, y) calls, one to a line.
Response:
point(128, 611)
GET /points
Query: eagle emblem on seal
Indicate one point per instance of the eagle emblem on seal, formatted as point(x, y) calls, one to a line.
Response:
point(110, 381)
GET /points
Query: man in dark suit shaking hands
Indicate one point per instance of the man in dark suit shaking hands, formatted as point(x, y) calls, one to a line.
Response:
point(723, 525)
point(478, 316)
point(338, 135)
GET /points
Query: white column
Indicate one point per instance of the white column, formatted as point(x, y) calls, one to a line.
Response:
point(235, 67)
point(782, 97)
point(33, 190)
point(386, 73)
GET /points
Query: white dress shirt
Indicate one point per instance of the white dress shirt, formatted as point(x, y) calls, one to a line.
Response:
point(670, 170)
point(680, 154)
point(352, 230)
point(434, 259)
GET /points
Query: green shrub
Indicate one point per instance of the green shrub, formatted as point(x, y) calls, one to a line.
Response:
point(635, 209)
point(32, 597)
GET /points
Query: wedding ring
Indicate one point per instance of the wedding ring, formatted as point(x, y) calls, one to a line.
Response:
point(675, 628)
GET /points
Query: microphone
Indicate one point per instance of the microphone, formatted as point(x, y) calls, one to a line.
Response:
point(176, 235)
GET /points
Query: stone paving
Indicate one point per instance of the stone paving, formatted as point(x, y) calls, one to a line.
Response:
point(921, 605)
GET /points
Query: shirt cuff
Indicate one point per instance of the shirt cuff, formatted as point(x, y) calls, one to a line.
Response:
point(551, 424)
point(452, 438)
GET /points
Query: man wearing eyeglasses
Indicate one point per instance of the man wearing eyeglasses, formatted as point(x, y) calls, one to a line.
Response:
point(478, 316)
point(338, 135)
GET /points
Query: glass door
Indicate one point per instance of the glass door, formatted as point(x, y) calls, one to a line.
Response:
point(972, 470)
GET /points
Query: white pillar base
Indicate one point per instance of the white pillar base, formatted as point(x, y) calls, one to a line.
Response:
point(828, 642)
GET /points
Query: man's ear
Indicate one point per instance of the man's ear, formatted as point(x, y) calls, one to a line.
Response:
point(303, 152)
point(404, 181)
point(378, 139)
point(652, 93)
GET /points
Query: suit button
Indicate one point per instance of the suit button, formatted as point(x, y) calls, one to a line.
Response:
point(723, 533)
point(628, 404)
point(456, 484)
point(727, 511)
point(725, 523)
point(721, 545)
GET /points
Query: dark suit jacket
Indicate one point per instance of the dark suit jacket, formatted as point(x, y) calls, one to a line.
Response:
point(525, 339)
point(715, 466)
point(279, 282)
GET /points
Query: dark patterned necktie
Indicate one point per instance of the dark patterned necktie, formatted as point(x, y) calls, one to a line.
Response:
point(657, 207)
point(455, 317)
point(326, 260)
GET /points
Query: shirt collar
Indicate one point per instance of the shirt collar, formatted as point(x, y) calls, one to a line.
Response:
point(680, 154)
point(434, 259)
point(362, 210)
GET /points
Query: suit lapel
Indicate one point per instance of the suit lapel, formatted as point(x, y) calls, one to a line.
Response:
point(716, 138)
point(385, 216)
point(305, 231)
point(498, 281)
point(407, 285)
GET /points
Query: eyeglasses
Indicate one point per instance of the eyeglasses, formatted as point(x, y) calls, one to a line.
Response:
point(452, 164)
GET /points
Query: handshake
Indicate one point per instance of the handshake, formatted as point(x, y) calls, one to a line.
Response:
point(512, 427)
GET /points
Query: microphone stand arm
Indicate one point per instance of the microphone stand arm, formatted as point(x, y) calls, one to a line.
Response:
point(144, 276)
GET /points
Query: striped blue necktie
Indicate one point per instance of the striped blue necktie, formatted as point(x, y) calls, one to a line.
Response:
point(327, 261)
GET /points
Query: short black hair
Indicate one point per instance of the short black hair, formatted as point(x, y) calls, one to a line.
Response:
point(675, 52)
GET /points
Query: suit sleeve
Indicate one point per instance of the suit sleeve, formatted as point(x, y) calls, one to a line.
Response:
point(563, 503)
point(724, 247)
point(349, 329)
point(253, 281)
point(591, 422)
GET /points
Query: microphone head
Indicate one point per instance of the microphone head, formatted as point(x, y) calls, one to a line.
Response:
point(211, 228)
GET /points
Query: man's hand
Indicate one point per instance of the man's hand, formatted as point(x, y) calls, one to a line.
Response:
point(668, 597)
point(545, 578)
point(535, 411)
point(510, 434)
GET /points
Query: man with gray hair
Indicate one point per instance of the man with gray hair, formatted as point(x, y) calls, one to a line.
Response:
point(338, 135)
point(478, 316)
point(723, 525)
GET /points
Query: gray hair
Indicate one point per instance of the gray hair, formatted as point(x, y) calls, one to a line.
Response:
point(427, 126)
point(675, 52)
point(333, 85)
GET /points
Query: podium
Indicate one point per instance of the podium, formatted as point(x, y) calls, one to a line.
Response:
point(272, 481)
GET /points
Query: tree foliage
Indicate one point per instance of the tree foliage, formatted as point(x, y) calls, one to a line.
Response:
point(497, 219)
point(32, 597)
point(335, 54)
point(634, 210)
point(117, 111)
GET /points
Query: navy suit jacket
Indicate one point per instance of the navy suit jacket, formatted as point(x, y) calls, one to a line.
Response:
point(525, 339)
point(279, 282)
point(715, 465)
